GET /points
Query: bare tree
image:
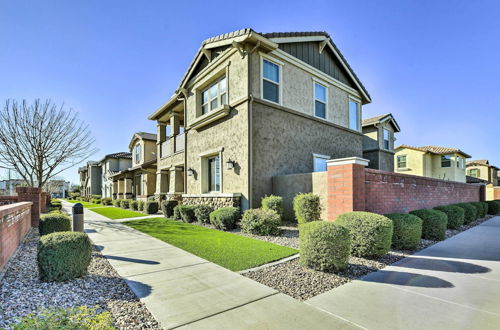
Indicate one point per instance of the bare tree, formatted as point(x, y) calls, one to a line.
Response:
point(42, 139)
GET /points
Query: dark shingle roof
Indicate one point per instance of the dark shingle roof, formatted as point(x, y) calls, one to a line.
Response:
point(294, 34)
point(147, 136)
point(120, 155)
point(482, 162)
point(374, 120)
point(435, 150)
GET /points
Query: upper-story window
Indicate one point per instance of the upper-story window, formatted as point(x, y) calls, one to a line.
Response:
point(387, 139)
point(137, 153)
point(401, 161)
point(474, 172)
point(320, 100)
point(214, 96)
point(270, 81)
point(460, 162)
point(319, 162)
point(354, 115)
point(445, 161)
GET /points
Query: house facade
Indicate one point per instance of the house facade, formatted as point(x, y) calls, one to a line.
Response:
point(139, 180)
point(482, 169)
point(90, 179)
point(252, 106)
point(112, 164)
point(378, 141)
point(431, 161)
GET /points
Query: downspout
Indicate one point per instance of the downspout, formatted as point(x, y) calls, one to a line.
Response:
point(250, 136)
point(184, 100)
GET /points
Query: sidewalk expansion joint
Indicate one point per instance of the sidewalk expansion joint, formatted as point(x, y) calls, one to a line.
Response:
point(166, 269)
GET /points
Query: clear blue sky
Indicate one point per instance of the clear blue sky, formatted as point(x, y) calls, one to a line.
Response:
point(433, 64)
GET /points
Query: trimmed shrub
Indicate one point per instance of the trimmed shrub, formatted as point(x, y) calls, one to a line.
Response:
point(125, 203)
point(485, 208)
point(470, 212)
point(273, 203)
point(261, 222)
point(167, 208)
point(433, 225)
point(140, 205)
point(54, 222)
point(187, 213)
point(479, 209)
point(95, 201)
point(133, 205)
point(116, 202)
point(202, 213)
point(106, 201)
point(225, 218)
point(307, 208)
point(63, 256)
point(455, 215)
point(151, 207)
point(371, 233)
point(324, 246)
point(96, 197)
point(177, 214)
point(407, 230)
point(493, 207)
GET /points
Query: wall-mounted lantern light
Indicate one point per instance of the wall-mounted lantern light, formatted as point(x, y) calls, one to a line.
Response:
point(190, 172)
point(229, 164)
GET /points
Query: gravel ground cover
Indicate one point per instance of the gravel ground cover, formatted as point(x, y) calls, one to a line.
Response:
point(21, 291)
point(302, 283)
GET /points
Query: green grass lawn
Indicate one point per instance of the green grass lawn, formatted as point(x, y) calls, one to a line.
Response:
point(117, 213)
point(85, 204)
point(228, 250)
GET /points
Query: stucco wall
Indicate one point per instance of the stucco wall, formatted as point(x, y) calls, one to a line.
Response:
point(284, 143)
point(370, 138)
point(485, 173)
point(288, 186)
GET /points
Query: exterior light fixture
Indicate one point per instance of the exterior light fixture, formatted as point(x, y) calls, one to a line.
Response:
point(229, 164)
point(190, 172)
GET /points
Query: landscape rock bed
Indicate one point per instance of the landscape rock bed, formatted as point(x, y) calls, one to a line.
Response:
point(21, 291)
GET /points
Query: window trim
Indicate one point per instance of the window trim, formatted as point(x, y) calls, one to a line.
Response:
point(449, 160)
point(218, 97)
point(476, 170)
point(325, 86)
point(204, 188)
point(397, 161)
point(138, 145)
point(320, 156)
point(388, 139)
point(280, 77)
point(358, 101)
point(209, 190)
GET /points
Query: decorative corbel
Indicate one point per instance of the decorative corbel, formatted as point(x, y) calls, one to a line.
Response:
point(240, 49)
point(257, 45)
point(322, 45)
point(207, 53)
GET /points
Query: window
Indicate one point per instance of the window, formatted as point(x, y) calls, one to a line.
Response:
point(214, 96)
point(214, 173)
point(270, 81)
point(445, 161)
point(137, 152)
point(319, 101)
point(387, 139)
point(401, 161)
point(474, 172)
point(319, 162)
point(353, 115)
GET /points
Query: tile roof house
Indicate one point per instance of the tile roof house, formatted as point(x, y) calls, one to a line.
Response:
point(112, 164)
point(431, 161)
point(378, 141)
point(482, 169)
point(249, 103)
point(90, 179)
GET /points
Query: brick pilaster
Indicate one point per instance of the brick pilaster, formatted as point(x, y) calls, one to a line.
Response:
point(31, 194)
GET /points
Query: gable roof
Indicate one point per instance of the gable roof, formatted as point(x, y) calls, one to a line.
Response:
point(481, 162)
point(436, 150)
point(381, 119)
point(118, 155)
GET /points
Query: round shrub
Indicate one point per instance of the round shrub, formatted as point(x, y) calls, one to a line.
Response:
point(324, 246)
point(133, 205)
point(485, 208)
point(371, 233)
point(187, 213)
point(470, 212)
point(177, 214)
point(202, 213)
point(140, 205)
point(116, 202)
point(63, 256)
point(151, 207)
point(261, 222)
point(125, 203)
point(493, 207)
point(225, 218)
point(54, 222)
point(455, 215)
point(106, 201)
point(307, 208)
point(167, 208)
point(479, 209)
point(407, 231)
point(433, 225)
point(273, 203)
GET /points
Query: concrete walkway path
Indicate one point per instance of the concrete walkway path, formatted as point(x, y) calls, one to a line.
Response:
point(182, 290)
point(454, 284)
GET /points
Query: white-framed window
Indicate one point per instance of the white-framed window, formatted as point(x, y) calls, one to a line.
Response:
point(474, 172)
point(214, 96)
point(214, 174)
point(445, 161)
point(271, 81)
point(137, 153)
point(320, 100)
point(387, 139)
point(354, 117)
point(460, 162)
point(319, 162)
point(401, 161)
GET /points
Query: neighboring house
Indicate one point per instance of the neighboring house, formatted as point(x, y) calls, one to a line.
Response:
point(252, 106)
point(482, 169)
point(57, 188)
point(8, 187)
point(431, 161)
point(112, 164)
point(138, 181)
point(378, 141)
point(90, 179)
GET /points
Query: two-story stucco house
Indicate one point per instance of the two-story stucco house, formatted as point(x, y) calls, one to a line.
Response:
point(112, 164)
point(378, 141)
point(252, 106)
point(90, 179)
point(482, 169)
point(431, 161)
point(139, 180)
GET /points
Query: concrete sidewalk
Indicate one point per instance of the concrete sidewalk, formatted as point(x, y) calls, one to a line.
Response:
point(184, 291)
point(454, 284)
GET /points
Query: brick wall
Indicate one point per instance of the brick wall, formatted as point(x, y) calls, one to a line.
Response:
point(5, 200)
point(15, 222)
point(31, 194)
point(496, 193)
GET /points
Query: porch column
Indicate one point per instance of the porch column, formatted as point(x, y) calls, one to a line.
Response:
point(127, 187)
point(162, 183)
point(176, 180)
point(161, 136)
point(174, 131)
point(120, 189)
point(114, 193)
point(345, 185)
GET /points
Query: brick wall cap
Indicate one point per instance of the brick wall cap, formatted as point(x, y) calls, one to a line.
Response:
point(347, 160)
point(225, 195)
point(9, 208)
